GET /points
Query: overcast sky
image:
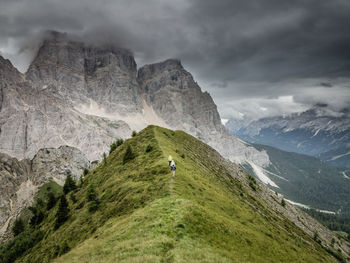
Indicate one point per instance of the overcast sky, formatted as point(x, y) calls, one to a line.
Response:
point(256, 58)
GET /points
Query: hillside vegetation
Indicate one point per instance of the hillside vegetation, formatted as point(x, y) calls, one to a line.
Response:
point(308, 180)
point(129, 209)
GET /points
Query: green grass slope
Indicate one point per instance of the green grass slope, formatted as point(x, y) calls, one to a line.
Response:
point(203, 215)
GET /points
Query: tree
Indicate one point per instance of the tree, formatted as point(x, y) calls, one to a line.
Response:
point(40, 202)
point(115, 145)
point(317, 237)
point(86, 171)
point(18, 227)
point(129, 155)
point(112, 147)
point(91, 197)
point(72, 197)
point(149, 148)
point(104, 158)
point(332, 242)
point(283, 203)
point(52, 200)
point(62, 212)
point(38, 215)
point(133, 134)
point(119, 142)
point(91, 194)
point(69, 184)
point(64, 248)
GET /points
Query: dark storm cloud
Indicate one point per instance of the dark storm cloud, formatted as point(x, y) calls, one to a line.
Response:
point(279, 39)
point(275, 55)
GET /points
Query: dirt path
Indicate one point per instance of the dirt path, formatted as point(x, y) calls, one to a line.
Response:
point(171, 183)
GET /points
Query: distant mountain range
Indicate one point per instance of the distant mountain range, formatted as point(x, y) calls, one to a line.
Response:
point(316, 132)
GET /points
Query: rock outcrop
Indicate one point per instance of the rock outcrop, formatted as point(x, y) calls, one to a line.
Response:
point(38, 112)
point(180, 102)
point(20, 180)
point(31, 119)
point(81, 74)
point(13, 179)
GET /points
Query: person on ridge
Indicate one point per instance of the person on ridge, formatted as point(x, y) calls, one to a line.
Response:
point(172, 165)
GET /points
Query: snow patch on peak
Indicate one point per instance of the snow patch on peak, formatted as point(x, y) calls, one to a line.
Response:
point(315, 134)
point(345, 176)
point(224, 121)
point(136, 121)
point(339, 156)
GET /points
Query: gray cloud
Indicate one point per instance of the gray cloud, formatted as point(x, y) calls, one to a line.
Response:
point(251, 54)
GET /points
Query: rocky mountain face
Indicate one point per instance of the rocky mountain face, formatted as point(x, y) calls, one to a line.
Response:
point(20, 180)
point(32, 119)
point(86, 75)
point(39, 108)
point(314, 132)
point(86, 97)
point(178, 100)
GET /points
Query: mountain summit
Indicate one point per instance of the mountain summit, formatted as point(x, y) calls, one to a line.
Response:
point(86, 96)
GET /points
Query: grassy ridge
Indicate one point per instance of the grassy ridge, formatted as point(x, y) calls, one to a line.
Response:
point(203, 215)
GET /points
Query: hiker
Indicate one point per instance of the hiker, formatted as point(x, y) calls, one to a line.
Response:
point(172, 165)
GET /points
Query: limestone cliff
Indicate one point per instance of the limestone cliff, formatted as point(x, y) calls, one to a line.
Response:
point(20, 180)
point(37, 113)
point(86, 96)
point(180, 102)
point(80, 74)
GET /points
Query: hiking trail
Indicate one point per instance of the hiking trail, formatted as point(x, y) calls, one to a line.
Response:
point(171, 185)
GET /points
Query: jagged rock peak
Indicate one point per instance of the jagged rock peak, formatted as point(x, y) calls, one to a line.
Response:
point(5, 62)
point(167, 86)
point(9, 75)
point(62, 52)
point(80, 73)
point(156, 68)
point(7, 67)
point(168, 63)
point(55, 37)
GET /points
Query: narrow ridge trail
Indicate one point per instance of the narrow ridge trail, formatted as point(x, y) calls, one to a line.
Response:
point(171, 185)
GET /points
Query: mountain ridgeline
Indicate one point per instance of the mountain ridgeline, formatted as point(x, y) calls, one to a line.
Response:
point(130, 209)
point(87, 96)
point(318, 132)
